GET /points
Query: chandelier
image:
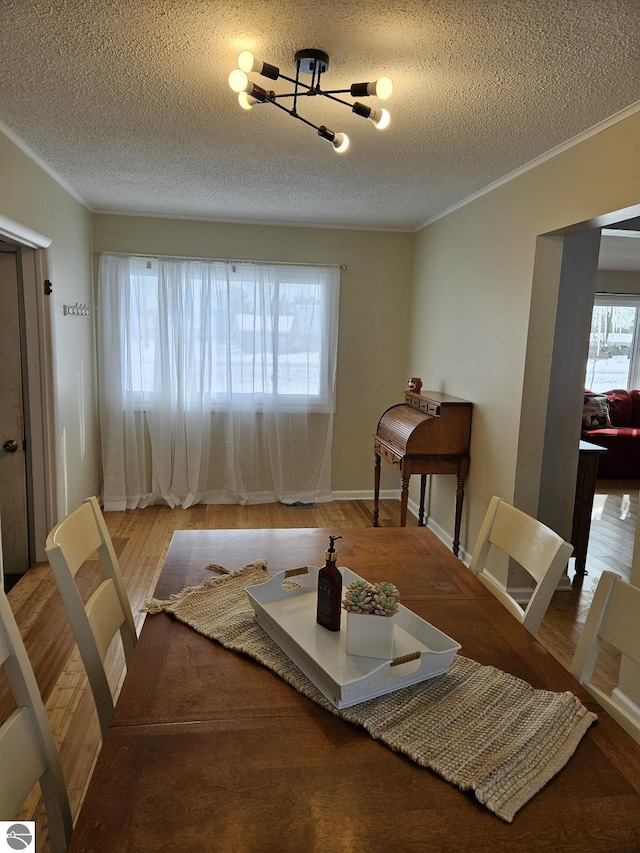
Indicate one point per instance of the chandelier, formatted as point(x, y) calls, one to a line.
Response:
point(314, 62)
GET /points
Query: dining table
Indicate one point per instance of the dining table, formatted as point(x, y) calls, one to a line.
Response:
point(210, 750)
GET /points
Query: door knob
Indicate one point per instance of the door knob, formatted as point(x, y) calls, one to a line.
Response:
point(10, 446)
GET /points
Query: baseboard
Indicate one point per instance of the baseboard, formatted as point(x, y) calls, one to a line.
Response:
point(443, 535)
point(366, 495)
point(564, 584)
point(623, 700)
point(412, 507)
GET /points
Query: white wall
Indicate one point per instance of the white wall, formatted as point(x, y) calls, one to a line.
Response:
point(29, 196)
point(375, 312)
point(618, 281)
point(473, 291)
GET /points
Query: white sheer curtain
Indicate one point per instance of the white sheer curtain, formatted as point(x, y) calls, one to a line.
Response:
point(217, 381)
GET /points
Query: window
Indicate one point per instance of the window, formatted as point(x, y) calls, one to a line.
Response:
point(217, 380)
point(244, 331)
point(613, 344)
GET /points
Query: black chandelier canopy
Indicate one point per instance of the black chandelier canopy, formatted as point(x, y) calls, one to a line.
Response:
point(314, 62)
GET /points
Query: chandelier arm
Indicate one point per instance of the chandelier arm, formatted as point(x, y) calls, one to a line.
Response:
point(294, 114)
point(313, 94)
point(334, 91)
point(295, 91)
point(298, 82)
point(300, 95)
point(333, 98)
point(317, 75)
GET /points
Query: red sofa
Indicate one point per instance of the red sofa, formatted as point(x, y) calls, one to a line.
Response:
point(614, 423)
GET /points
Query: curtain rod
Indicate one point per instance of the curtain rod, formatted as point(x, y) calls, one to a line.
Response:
point(223, 260)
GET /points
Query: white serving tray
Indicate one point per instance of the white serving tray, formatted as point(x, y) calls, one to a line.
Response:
point(289, 617)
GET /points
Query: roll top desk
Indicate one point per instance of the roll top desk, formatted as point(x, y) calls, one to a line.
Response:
point(429, 433)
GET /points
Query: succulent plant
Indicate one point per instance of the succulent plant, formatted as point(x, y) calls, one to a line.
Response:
point(379, 599)
point(385, 605)
point(389, 589)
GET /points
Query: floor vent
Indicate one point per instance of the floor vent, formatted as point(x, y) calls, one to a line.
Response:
point(300, 505)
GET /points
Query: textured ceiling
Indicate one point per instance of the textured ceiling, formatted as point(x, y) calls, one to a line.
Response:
point(128, 102)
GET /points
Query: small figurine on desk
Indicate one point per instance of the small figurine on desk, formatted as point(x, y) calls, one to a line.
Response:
point(330, 591)
point(414, 384)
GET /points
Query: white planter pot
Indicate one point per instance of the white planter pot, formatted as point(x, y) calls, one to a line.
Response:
point(370, 636)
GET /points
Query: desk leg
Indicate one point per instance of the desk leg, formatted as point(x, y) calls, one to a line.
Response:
point(403, 501)
point(376, 489)
point(423, 488)
point(459, 501)
point(585, 491)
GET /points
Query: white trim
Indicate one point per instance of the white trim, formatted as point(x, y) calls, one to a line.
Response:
point(627, 112)
point(22, 233)
point(620, 232)
point(413, 508)
point(40, 398)
point(31, 259)
point(440, 532)
point(366, 495)
point(623, 700)
point(401, 229)
point(31, 154)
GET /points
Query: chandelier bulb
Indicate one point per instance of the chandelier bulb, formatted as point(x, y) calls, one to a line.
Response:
point(247, 62)
point(246, 100)
point(238, 81)
point(340, 143)
point(380, 118)
point(383, 88)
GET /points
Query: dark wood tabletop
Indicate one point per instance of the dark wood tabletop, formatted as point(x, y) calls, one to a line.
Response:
point(210, 751)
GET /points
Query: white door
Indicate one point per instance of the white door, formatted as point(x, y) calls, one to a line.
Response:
point(13, 477)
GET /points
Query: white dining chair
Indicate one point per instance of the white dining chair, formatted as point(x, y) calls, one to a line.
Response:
point(27, 750)
point(72, 541)
point(538, 549)
point(613, 618)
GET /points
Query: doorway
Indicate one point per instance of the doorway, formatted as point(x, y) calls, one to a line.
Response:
point(565, 272)
point(27, 471)
point(14, 513)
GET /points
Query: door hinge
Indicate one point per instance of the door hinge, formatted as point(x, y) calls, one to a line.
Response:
point(48, 287)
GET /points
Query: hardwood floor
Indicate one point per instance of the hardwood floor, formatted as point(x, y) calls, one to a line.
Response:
point(613, 527)
point(141, 539)
point(611, 540)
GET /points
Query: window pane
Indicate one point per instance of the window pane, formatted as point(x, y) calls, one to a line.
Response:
point(610, 347)
point(301, 323)
point(261, 336)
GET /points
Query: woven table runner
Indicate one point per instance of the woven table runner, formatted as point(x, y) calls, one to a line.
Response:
point(479, 728)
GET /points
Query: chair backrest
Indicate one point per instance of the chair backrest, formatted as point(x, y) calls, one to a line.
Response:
point(71, 542)
point(27, 750)
point(530, 543)
point(613, 618)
